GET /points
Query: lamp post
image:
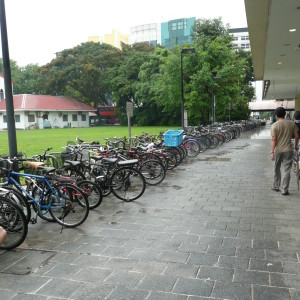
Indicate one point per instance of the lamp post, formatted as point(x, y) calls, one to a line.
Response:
point(213, 104)
point(185, 50)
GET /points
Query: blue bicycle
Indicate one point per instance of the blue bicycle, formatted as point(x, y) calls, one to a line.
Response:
point(65, 202)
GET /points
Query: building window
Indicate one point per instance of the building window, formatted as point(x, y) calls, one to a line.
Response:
point(235, 38)
point(174, 26)
point(245, 38)
point(17, 118)
point(4, 119)
point(180, 25)
point(31, 118)
point(65, 118)
point(83, 118)
point(245, 46)
point(74, 118)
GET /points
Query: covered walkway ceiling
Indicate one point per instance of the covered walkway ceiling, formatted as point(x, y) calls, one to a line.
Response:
point(271, 105)
point(274, 30)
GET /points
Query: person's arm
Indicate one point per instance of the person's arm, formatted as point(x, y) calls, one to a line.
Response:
point(296, 140)
point(273, 145)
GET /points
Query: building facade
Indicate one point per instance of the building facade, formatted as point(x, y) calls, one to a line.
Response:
point(42, 111)
point(115, 39)
point(240, 38)
point(145, 33)
point(177, 32)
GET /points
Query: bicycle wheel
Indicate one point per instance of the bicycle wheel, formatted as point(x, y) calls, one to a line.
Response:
point(16, 196)
point(13, 220)
point(127, 184)
point(69, 207)
point(193, 147)
point(153, 172)
point(172, 159)
point(92, 191)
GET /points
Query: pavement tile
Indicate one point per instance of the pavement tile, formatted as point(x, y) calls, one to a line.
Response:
point(285, 280)
point(215, 273)
point(124, 278)
point(181, 270)
point(58, 287)
point(202, 259)
point(270, 293)
point(233, 262)
point(265, 244)
point(277, 254)
point(227, 242)
point(265, 265)
point(92, 291)
point(291, 267)
point(192, 248)
point(226, 290)
point(250, 252)
point(210, 240)
point(166, 296)
point(195, 287)
point(160, 283)
point(173, 256)
point(89, 274)
point(221, 250)
point(252, 277)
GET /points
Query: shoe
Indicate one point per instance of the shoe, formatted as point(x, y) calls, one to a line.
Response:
point(285, 193)
point(275, 189)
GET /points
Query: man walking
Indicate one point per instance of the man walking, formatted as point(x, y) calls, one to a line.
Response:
point(282, 150)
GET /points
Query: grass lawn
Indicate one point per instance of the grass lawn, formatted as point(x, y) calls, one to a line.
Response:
point(35, 141)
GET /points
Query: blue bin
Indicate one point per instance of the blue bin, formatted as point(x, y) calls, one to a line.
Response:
point(173, 138)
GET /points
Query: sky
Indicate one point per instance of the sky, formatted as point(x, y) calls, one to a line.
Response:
point(37, 29)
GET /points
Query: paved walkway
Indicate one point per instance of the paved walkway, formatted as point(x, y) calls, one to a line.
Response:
point(212, 230)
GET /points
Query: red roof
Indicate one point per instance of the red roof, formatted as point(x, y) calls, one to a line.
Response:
point(46, 103)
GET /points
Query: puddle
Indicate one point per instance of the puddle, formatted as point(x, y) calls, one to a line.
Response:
point(177, 187)
point(214, 158)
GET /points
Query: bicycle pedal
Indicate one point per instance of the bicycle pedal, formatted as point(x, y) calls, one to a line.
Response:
point(33, 221)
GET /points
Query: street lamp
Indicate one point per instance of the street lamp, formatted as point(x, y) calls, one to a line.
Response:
point(213, 104)
point(183, 51)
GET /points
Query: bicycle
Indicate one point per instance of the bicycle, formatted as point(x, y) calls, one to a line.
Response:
point(65, 202)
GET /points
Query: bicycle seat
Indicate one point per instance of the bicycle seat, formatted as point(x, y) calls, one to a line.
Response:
point(128, 162)
point(45, 170)
point(74, 163)
point(110, 160)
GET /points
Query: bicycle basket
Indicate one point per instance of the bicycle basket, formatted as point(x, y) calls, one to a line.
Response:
point(67, 156)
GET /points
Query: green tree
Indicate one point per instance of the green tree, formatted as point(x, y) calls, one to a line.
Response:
point(25, 79)
point(79, 73)
point(123, 78)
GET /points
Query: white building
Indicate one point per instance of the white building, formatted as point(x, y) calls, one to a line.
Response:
point(40, 111)
point(146, 33)
point(240, 38)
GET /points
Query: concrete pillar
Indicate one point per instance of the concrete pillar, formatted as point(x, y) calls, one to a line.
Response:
point(297, 103)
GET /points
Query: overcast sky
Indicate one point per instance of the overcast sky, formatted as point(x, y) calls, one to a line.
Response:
point(39, 28)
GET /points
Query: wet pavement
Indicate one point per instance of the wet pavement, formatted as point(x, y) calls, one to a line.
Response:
point(212, 230)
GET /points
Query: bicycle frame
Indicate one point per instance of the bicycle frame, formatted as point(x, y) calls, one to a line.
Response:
point(46, 183)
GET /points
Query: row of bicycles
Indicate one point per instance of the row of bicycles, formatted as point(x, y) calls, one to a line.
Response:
point(64, 186)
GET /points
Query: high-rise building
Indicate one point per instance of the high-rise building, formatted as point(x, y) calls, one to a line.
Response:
point(145, 33)
point(115, 39)
point(240, 38)
point(177, 32)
